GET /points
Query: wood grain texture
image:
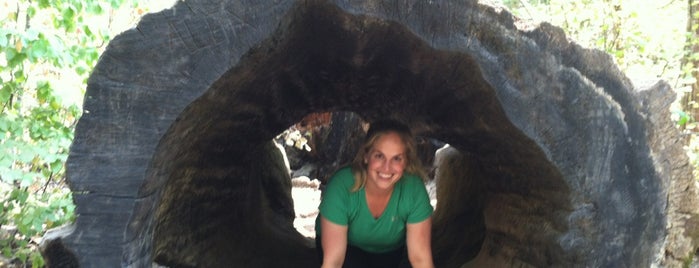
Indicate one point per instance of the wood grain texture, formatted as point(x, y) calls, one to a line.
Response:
point(172, 159)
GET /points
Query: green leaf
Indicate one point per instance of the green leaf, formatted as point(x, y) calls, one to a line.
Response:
point(38, 50)
point(44, 3)
point(32, 34)
point(116, 3)
point(68, 19)
point(37, 260)
point(4, 124)
point(27, 179)
point(22, 256)
point(95, 9)
point(37, 224)
point(9, 176)
point(31, 11)
point(44, 92)
point(87, 30)
point(56, 166)
point(6, 92)
point(7, 251)
point(21, 243)
point(14, 58)
point(27, 221)
point(19, 77)
point(10, 54)
point(4, 38)
point(26, 154)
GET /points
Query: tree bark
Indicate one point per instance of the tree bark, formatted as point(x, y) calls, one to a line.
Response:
point(562, 163)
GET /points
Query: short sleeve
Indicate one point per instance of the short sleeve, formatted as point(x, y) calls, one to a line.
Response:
point(335, 200)
point(421, 207)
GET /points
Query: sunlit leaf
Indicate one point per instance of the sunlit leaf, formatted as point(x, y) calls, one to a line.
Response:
point(80, 70)
point(31, 11)
point(56, 166)
point(43, 91)
point(19, 76)
point(9, 176)
point(28, 179)
point(6, 92)
point(37, 224)
point(87, 30)
point(95, 9)
point(68, 18)
point(44, 3)
point(28, 220)
point(4, 126)
point(31, 34)
point(10, 54)
point(26, 154)
point(4, 40)
point(14, 57)
point(38, 50)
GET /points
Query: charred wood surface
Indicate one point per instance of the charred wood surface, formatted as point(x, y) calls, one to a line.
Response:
point(558, 161)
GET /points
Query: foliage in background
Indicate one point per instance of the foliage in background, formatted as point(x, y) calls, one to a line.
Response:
point(690, 107)
point(49, 47)
point(47, 50)
point(645, 37)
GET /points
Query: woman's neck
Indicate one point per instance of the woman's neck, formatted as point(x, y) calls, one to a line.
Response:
point(377, 199)
point(377, 192)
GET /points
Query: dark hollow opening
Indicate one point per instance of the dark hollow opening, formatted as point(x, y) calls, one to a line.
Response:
point(322, 143)
point(220, 194)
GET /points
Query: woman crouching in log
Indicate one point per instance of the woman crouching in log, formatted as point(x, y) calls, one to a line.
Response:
point(375, 208)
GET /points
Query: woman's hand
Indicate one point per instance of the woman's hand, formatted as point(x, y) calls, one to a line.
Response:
point(418, 239)
point(334, 242)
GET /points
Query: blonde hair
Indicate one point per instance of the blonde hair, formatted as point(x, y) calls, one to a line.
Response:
point(376, 130)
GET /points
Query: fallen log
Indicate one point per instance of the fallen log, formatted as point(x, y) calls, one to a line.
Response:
point(172, 160)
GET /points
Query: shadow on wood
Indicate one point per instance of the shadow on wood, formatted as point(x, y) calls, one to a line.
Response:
point(554, 161)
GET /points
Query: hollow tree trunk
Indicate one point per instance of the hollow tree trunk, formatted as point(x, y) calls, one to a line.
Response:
point(560, 161)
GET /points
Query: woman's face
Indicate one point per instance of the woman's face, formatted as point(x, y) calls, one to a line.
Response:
point(385, 161)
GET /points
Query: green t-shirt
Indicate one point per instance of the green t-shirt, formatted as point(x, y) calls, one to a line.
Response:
point(409, 203)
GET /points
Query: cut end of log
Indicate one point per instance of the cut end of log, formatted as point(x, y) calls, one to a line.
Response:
point(551, 160)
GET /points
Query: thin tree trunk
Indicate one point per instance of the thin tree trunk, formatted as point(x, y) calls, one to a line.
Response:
point(690, 101)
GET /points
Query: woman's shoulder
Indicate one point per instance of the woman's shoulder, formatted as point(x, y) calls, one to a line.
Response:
point(412, 179)
point(343, 175)
point(412, 182)
point(344, 172)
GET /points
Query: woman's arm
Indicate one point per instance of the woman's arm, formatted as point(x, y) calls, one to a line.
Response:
point(334, 242)
point(418, 239)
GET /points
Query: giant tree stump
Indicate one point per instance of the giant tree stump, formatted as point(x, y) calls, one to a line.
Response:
point(560, 160)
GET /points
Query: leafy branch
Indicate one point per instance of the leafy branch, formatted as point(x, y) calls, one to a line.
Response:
point(47, 50)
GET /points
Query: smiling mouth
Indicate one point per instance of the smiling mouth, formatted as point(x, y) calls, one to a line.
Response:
point(384, 175)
